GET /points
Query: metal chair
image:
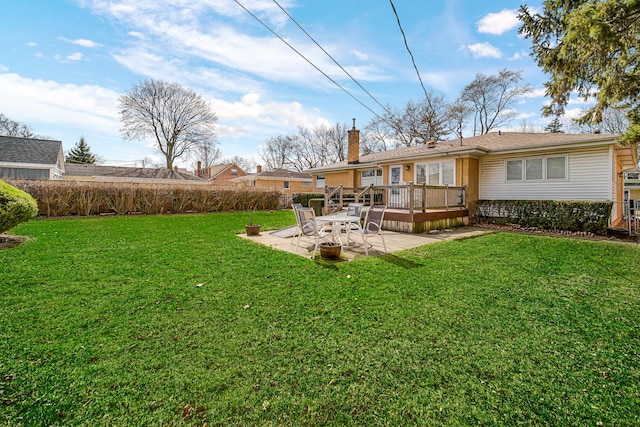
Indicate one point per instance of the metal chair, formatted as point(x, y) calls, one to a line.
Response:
point(372, 227)
point(309, 228)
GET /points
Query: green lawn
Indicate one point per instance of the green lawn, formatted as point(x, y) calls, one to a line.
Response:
point(172, 320)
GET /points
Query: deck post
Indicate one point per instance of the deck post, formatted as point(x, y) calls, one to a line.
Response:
point(424, 197)
point(411, 196)
point(446, 196)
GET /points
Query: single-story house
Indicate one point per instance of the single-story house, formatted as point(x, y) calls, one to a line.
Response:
point(30, 158)
point(496, 166)
point(102, 173)
point(220, 175)
point(282, 180)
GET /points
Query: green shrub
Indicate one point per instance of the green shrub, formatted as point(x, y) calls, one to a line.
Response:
point(548, 214)
point(16, 206)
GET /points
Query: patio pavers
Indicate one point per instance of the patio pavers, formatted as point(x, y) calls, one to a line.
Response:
point(395, 242)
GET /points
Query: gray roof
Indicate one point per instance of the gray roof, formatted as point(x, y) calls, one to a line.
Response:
point(74, 169)
point(29, 150)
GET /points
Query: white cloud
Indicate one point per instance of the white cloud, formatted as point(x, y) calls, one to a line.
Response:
point(3, 68)
point(47, 101)
point(483, 50)
point(82, 42)
point(76, 56)
point(536, 93)
point(498, 23)
point(32, 44)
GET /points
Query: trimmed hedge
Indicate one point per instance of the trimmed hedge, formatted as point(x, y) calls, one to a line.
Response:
point(592, 217)
point(16, 206)
point(71, 198)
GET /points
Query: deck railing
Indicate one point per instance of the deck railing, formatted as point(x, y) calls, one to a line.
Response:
point(412, 197)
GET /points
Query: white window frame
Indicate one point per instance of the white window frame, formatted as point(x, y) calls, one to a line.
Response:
point(376, 179)
point(286, 185)
point(544, 159)
point(320, 181)
point(427, 166)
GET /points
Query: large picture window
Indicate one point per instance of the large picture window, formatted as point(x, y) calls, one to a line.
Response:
point(536, 169)
point(436, 173)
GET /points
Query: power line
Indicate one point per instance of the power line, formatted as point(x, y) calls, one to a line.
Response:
point(303, 57)
point(332, 58)
point(409, 50)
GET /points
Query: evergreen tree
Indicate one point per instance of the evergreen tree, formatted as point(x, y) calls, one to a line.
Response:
point(81, 153)
point(590, 48)
point(555, 126)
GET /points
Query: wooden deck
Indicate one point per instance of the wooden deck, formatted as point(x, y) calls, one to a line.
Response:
point(403, 221)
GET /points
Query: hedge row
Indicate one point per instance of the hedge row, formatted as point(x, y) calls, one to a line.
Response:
point(71, 198)
point(546, 214)
point(16, 206)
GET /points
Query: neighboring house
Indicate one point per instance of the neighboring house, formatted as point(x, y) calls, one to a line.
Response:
point(282, 180)
point(632, 184)
point(220, 175)
point(496, 166)
point(100, 173)
point(30, 158)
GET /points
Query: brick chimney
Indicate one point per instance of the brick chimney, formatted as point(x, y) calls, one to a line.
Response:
point(258, 169)
point(353, 147)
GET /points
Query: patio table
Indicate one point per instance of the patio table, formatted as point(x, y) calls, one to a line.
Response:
point(338, 222)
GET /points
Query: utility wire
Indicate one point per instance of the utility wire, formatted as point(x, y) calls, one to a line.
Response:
point(303, 57)
point(409, 50)
point(332, 58)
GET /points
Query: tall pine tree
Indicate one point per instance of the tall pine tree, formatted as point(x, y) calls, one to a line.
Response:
point(81, 153)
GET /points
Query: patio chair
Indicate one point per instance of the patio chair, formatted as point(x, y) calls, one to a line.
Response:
point(309, 228)
point(353, 209)
point(372, 227)
point(295, 207)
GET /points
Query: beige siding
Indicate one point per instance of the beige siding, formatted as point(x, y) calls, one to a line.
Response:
point(589, 177)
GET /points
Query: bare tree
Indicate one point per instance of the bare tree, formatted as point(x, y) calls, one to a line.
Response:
point(419, 122)
point(10, 127)
point(207, 154)
point(459, 112)
point(277, 151)
point(308, 148)
point(491, 98)
point(244, 163)
point(179, 119)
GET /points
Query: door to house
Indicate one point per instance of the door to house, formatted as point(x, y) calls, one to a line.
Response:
point(397, 196)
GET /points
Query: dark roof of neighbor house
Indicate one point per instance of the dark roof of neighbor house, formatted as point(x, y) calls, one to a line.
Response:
point(29, 150)
point(74, 169)
point(483, 144)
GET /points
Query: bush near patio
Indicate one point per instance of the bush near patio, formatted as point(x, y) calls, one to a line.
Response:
point(16, 206)
point(72, 198)
point(586, 216)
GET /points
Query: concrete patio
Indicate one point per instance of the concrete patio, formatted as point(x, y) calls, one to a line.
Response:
point(395, 242)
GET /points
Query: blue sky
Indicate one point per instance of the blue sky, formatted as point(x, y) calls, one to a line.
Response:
point(64, 63)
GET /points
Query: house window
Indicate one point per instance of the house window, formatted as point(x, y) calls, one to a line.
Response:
point(537, 169)
point(287, 185)
point(252, 183)
point(436, 173)
point(371, 177)
point(234, 171)
point(533, 169)
point(320, 180)
point(556, 167)
point(306, 183)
